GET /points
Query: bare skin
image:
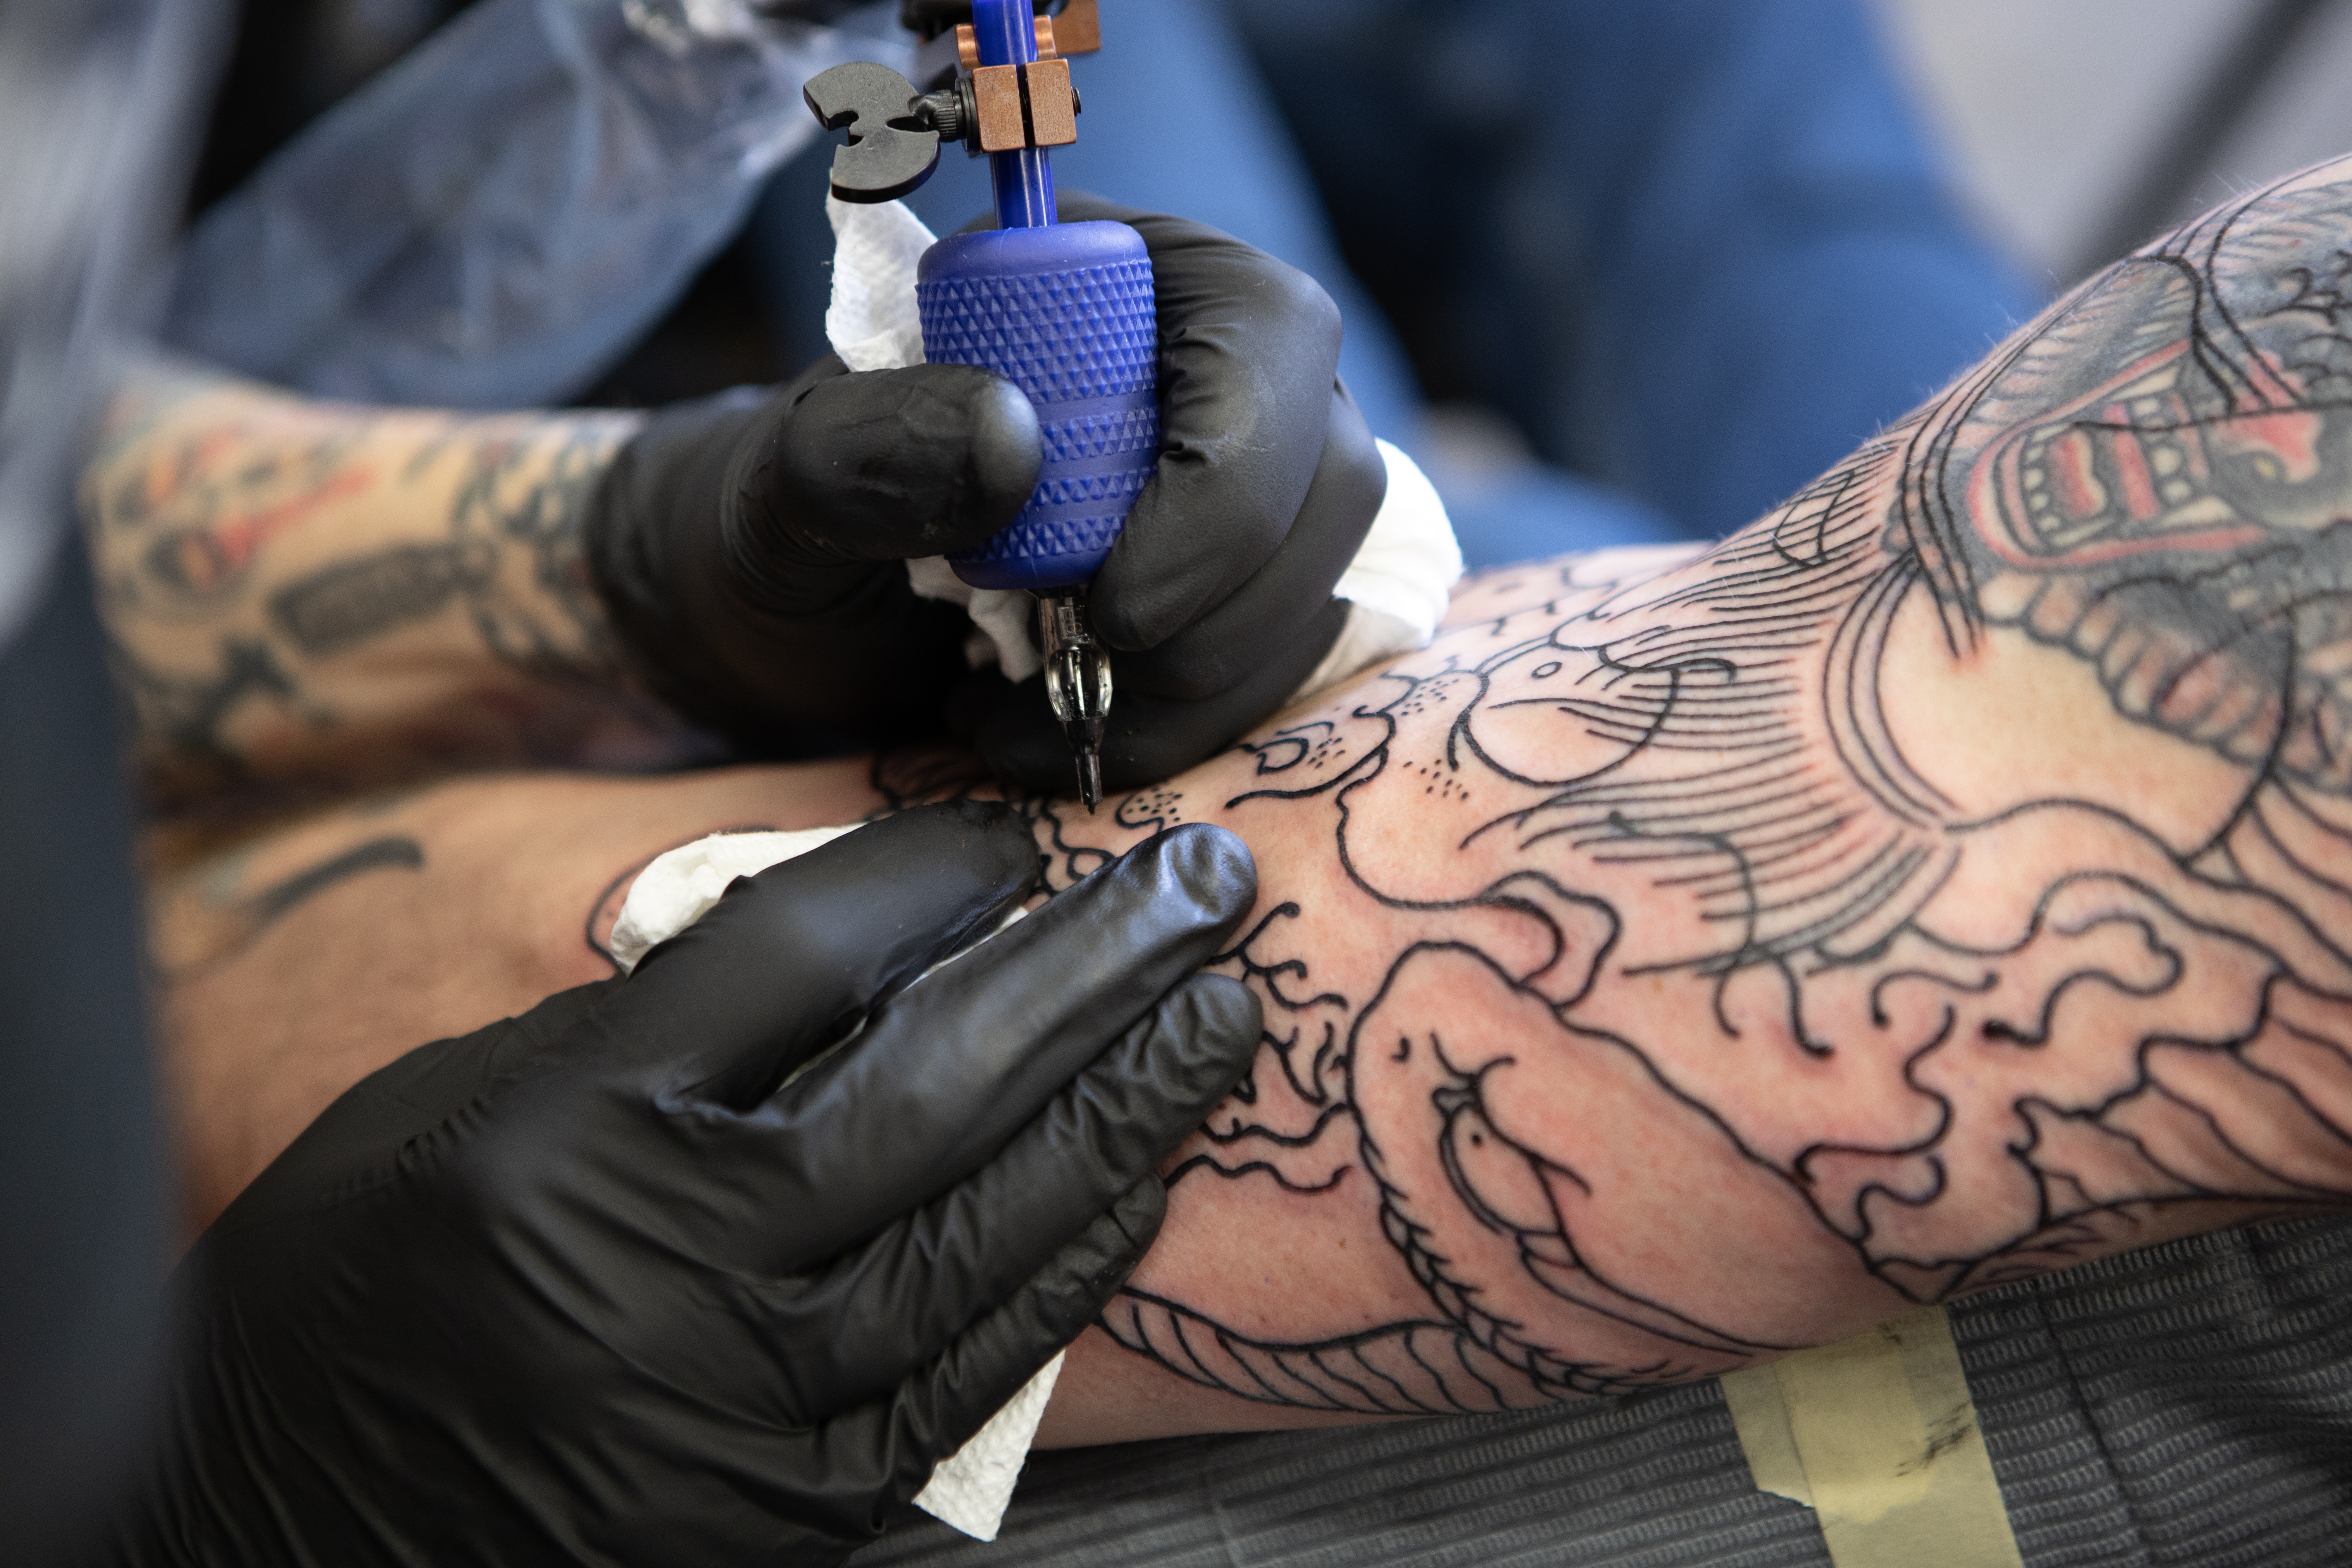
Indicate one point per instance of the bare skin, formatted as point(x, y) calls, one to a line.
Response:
point(1686, 959)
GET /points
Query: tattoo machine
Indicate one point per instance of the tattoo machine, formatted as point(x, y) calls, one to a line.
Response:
point(1064, 311)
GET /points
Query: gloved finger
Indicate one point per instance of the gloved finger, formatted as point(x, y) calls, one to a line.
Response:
point(885, 1451)
point(785, 961)
point(944, 1076)
point(1147, 738)
point(1249, 347)
point(1227, 644)
point(898, 1299)
point(887, 465)
point(725, 611)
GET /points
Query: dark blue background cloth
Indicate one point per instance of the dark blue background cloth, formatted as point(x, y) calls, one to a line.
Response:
point(1697, 249)
point(83, 1189)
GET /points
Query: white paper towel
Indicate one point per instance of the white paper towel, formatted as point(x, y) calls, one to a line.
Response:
point(971, 1488)
point(1397, 586)
point(871, 321)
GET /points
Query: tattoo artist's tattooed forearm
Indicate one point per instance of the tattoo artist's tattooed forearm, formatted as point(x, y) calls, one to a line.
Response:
point(1700, 1014)
point(518, 516)
point(295, 587)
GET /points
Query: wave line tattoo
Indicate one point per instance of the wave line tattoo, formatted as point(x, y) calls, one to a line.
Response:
point(1921, 1047)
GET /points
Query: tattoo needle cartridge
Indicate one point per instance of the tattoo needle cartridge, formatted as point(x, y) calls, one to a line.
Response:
point(1064, 311)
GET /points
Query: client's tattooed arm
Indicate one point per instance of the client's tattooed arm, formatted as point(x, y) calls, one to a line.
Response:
point(1947, 879)
point(298, 588)
point(1685, 958)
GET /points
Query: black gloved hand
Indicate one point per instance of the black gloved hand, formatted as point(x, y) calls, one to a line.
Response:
point(587, 1286)
point(748, 547)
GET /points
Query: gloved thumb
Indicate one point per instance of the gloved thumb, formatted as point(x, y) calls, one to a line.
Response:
point(888, 464)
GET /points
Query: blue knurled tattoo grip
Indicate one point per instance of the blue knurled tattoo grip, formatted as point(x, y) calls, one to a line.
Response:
point(1065, 312)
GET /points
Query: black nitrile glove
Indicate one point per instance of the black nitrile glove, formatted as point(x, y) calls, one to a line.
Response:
point(748, 547)
point(588, 1286)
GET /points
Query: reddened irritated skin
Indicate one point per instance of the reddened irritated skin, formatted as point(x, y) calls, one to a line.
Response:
point(1690, 956)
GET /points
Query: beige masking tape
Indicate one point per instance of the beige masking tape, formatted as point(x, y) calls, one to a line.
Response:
point(1878, 1437)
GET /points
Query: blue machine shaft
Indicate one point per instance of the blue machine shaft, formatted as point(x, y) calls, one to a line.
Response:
point(1066, 313)
point(1006, 32)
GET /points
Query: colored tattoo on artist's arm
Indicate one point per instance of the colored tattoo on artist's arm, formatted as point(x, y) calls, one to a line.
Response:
point(298, 589)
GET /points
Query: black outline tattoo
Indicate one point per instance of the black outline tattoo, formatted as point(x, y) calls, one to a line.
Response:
point(2016, 1039)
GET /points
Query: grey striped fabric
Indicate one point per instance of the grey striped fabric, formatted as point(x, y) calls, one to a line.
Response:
point(2187, 1405)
